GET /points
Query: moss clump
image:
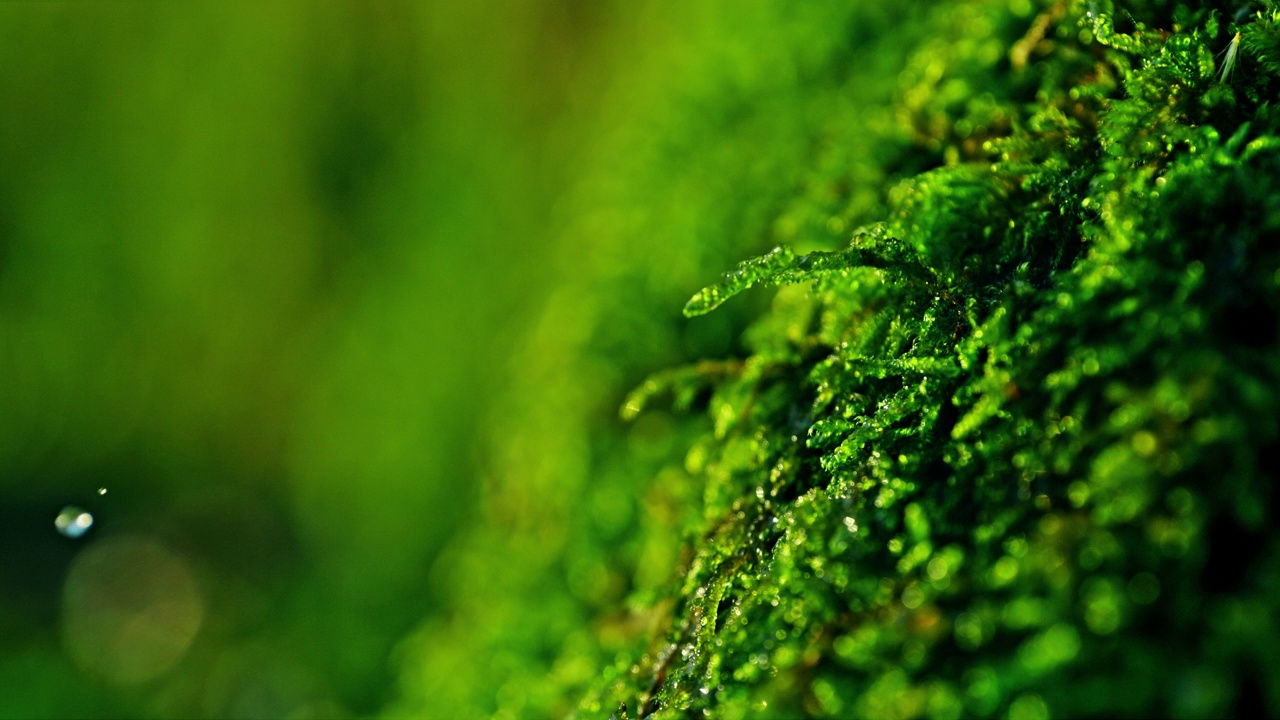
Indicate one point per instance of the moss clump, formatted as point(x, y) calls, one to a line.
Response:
point(1012, 450)
point(1007, 448)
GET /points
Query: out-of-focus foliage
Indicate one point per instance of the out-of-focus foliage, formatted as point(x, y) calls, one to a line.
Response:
point(259, 264)
point(1010, 451)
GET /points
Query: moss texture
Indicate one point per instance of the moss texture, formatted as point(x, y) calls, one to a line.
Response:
point(1005, 448)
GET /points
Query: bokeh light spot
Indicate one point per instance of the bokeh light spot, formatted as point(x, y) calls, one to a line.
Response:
point(131, 608)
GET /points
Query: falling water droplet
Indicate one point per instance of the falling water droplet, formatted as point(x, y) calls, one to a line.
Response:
point(73, 521)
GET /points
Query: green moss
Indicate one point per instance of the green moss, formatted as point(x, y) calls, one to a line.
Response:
point(1009, 450)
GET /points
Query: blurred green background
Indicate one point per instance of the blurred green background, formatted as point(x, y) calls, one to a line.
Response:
point(260, 264)
point(324, 311)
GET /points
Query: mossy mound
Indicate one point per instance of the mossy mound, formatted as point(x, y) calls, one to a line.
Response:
point(1011, 451)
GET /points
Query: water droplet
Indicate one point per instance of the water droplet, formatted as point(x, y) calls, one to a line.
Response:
point(102, 491)
point(73, 521)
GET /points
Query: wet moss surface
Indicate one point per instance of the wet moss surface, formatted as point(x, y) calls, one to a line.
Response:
point(1005, 443)
point(1010, 451)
